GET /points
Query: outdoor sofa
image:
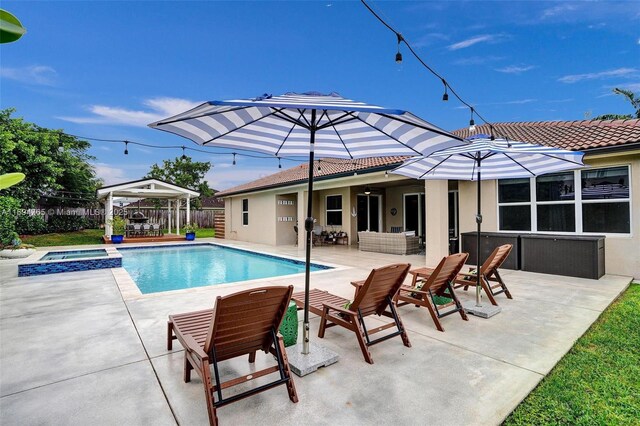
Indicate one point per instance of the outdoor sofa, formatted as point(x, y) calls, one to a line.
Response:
point(392, 243)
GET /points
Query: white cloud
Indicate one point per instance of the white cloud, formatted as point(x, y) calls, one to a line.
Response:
point(619, 72)
point(478, 60)
point(486, 38)
point(557, 10)
point(34, 74)
point(237, 175)
point(515, 69)
point(159, 108)
point(109, 174)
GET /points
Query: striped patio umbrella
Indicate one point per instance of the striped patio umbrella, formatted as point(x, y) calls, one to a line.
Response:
point(486, 159)
point(309, 124)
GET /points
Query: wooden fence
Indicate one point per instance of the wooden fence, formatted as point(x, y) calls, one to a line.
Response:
point(218, 224)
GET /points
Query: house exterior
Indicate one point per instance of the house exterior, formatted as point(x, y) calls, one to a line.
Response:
point(356, 195)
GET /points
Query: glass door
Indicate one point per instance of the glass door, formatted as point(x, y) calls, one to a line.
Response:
point(414, 214)
point(369, 216)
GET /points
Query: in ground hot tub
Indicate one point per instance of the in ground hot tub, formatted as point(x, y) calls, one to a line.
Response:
point(56, 262)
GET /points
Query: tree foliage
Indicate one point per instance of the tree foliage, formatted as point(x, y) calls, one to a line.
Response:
point(182, 171)
point(632, 98)
point(56, 165)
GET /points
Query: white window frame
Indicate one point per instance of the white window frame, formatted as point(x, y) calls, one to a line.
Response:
point(245, 212)
point(578, 203)
point(326, 210)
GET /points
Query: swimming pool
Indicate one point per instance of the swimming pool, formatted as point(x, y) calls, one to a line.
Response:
point(160, 269)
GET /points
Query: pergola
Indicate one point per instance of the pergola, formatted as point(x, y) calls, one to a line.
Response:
point(146, 188)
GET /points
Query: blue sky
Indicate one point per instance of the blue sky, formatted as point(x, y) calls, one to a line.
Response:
point(106, 69)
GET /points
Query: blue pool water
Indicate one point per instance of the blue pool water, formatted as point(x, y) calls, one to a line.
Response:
point(177, 267)
point(74, 254)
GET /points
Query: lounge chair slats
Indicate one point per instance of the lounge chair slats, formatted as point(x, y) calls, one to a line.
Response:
point(240, 324)
point(374, 296)
point(436, 281)
point(488, 274)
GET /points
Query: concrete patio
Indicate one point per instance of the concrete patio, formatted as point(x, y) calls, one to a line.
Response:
point(75, 349)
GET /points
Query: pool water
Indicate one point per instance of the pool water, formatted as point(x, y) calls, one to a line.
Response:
point(77, 254)
point(172, 268)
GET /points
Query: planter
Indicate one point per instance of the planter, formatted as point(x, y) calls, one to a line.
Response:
point(17, 253)
point(190, 236)
point(117, 239)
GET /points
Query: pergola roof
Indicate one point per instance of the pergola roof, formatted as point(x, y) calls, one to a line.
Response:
point(146, 188)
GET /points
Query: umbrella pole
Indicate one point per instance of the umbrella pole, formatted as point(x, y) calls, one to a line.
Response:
point(479, 222)
point(308, 226)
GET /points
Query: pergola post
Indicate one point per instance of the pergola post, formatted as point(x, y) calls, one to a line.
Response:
point(169, 216)
point(188, 209)
point(177, 216)
point(108, 215)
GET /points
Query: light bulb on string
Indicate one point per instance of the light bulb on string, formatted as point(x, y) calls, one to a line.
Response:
point(279, 163)
point(399, 55)
point(234, 159)
point(472, 123)
point(184, 157)
point(126, 146)
point(445, 96)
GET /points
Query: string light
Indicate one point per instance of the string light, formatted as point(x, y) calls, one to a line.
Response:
point(126, 146)
point(319, 168)
point(400, 38)
point(279, 163)
point(399, 55)
point(386, 173)
point(472, 123)
point(493, 138)
point(184, 157)
point(234, 158)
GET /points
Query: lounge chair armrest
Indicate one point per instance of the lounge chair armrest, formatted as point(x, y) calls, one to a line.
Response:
point(337, 308)
point(194, 347)
point(413, 290)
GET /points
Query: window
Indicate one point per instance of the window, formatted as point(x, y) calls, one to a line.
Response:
point(334, 210)
point(551, 203)
point(245, 211)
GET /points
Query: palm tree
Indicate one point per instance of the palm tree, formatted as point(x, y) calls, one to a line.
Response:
point(631, 97)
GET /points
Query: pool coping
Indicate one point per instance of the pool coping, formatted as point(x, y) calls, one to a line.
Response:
point(130, 291)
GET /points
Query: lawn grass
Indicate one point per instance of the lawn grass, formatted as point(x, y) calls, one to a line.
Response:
point(87, 236)
point(598, 381)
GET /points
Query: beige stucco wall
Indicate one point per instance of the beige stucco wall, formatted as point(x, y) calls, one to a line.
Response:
point(622, 252)
point(286, 217)
point(262, 218)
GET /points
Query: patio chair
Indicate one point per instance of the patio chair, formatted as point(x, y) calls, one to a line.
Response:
point(373, 296)
point(488, 274)
point(318, 239)
point(433, 289)
point(240, 324)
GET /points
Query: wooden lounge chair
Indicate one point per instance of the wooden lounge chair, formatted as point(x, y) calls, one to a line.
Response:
point(431, 288)
point(488, 274)
point(372, 297)
point(240, 324)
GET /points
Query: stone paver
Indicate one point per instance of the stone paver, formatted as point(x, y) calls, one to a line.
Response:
point(77, 350)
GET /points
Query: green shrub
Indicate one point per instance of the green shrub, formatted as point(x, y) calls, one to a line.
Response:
point(65, 223)
point(30, 225)
point(8, 209)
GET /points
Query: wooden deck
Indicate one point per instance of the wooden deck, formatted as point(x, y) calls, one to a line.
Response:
point(164, 238)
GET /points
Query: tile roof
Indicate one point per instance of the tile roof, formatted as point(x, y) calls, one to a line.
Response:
point(329, 167)
point(572, 135)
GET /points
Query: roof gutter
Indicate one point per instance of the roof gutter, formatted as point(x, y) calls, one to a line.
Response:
point(612, 149)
